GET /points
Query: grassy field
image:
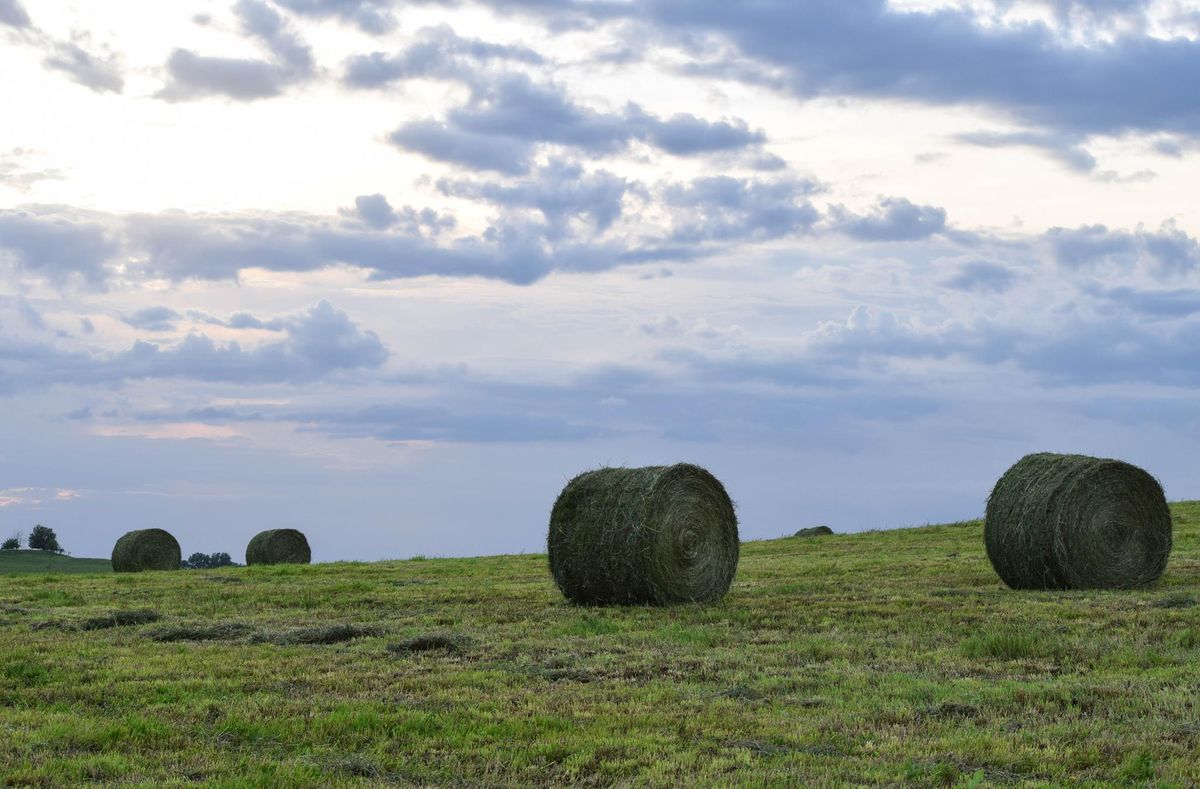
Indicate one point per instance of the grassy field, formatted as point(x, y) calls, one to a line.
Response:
point(46, 562)
point(879, 658)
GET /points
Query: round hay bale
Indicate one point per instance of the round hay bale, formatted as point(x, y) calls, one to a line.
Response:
point(1077, 522)
point(278, 546)
point(146, 549)
point(655, 535)
point(814, 531)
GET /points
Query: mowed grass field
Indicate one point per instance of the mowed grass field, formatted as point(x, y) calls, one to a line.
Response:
point(45, 562)
point(877, 658)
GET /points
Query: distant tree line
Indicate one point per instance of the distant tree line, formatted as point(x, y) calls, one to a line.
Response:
point(42, 538)
point(207, 561)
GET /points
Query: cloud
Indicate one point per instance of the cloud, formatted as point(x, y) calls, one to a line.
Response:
point(374, 211)
point(193, 76)
point(438, 141)
point(154, 319)
point(1166, 252)
point(685, 135)
point(101, 74)
point(727, 208)
point(1065, 149)
point(240, 320)
point(13, 15)
point(560, 191)
point(317, 343)
point(945, 56)
point(509, 115)
point(981, 276)
point(57, 247)
point(1156, 304)
point(370, 16)
point(15, 173)
point(892, 219)
point(438, 52)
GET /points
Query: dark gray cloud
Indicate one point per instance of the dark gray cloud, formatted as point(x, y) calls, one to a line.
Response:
point(1166, 252)
point(12, 14)
point(99, 73)
point(370, 16)
point(727, 208)
point(509, 114)
point(193, 76)
point(317, 343)
point(153, 319)
point(980, 276)
point(438, 52)
point(893, 219)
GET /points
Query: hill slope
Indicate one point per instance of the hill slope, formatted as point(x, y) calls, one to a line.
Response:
point(45, 562)
point(888, 657)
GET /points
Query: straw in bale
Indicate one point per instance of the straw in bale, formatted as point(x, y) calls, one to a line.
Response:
point(655, 535)
point(278, 546)
point(1077, 522)
point(146, 549)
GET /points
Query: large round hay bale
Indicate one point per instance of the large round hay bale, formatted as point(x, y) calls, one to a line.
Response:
point(146, 549)
point(655, 535)
point(1077, 522)
point(278, 546)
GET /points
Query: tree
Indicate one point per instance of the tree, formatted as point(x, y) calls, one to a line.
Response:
point(204, 561)
point(43, 538)
point(13, 543)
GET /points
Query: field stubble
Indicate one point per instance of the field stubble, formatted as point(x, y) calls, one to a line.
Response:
point(877, 658)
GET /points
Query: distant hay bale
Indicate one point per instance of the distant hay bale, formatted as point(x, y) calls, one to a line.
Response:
point(1077, 522)
point(655, 535)
point(814, 531)
point(278, 546)
point(146, 549)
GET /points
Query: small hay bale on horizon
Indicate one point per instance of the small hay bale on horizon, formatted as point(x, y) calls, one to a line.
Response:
point(146, 549)
point(814, 531)
point(1077, 522)
point(279, 546)
point(656, 535)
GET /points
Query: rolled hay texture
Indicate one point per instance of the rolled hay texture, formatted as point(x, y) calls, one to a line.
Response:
point(645, 536)
point(146, 549)
point(278, 546)
point(1077, 522)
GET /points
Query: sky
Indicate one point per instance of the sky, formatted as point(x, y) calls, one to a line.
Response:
point(392, 273)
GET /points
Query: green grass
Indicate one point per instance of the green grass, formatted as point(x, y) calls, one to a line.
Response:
point(46, 562)
point(879, 658)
